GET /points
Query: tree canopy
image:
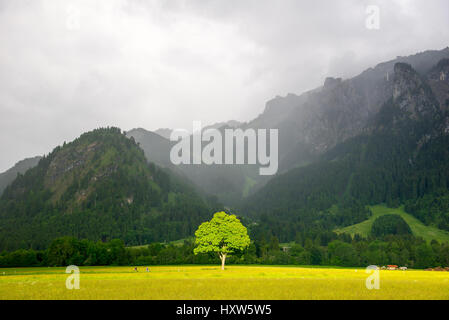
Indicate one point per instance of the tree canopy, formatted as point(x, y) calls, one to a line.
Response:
point(390, 224)
point(224, 234)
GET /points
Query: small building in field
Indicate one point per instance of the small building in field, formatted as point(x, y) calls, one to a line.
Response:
point(403, 268)
point(392, 267)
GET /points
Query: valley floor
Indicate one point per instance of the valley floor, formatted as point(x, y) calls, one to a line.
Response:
point(209, 282)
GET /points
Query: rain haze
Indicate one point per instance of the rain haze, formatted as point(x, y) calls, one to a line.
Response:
point(67, 67)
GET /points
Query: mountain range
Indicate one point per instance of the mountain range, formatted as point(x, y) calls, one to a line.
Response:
point(309, 124)
point(379, 137)
point(98, 187)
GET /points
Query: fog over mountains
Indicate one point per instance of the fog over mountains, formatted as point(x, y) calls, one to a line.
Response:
point(309, 124)
point(379, 137)
point(72, 66)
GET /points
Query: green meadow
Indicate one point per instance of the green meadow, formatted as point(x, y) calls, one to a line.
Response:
point(209, 282)
point(418, 228)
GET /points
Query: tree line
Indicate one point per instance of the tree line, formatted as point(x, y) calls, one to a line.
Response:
point(321, 248)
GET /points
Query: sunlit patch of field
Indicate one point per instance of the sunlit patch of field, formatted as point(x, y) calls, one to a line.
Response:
point(209, 282)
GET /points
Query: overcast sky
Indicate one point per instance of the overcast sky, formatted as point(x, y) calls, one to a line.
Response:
point(67, 67)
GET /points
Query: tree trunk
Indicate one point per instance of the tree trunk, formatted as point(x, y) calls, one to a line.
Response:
point(223, 259)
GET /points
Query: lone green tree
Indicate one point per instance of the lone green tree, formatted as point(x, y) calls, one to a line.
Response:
point(224, 234)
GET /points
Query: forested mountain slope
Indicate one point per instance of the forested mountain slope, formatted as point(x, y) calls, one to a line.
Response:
point(402, 155)
point(309, 124)
point(227, 182)
point(98, 187)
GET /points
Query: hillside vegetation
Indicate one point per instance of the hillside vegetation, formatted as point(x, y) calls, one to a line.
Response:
point(98, 187)
point(7, 177)
point(402, 156)
point(418, 228)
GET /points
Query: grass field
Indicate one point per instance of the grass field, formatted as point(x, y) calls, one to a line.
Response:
point(418, 228)
point(209, 282)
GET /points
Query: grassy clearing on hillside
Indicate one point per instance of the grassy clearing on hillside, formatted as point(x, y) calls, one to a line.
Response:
point(178, 243)
point(209, 282)
point(418, 228)
point(249, 184)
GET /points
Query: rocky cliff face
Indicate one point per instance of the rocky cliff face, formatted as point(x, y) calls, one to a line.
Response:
point(411, 92)
point(316, 121)
point(400, 154)
point(438, 78)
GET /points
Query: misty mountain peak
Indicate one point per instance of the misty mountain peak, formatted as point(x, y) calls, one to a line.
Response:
point(411, 92)
point(279, 104)
point(164, 132)
point(331, 82)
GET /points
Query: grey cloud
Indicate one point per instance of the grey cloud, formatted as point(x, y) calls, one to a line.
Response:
point(162, 63)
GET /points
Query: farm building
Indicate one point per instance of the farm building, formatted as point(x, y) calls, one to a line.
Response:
point(392, 267)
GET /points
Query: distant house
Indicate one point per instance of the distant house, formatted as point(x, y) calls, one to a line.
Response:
point(392, 267)
point(403, 268)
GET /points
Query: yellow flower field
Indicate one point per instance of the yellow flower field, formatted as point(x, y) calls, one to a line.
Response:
point(209, 282)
